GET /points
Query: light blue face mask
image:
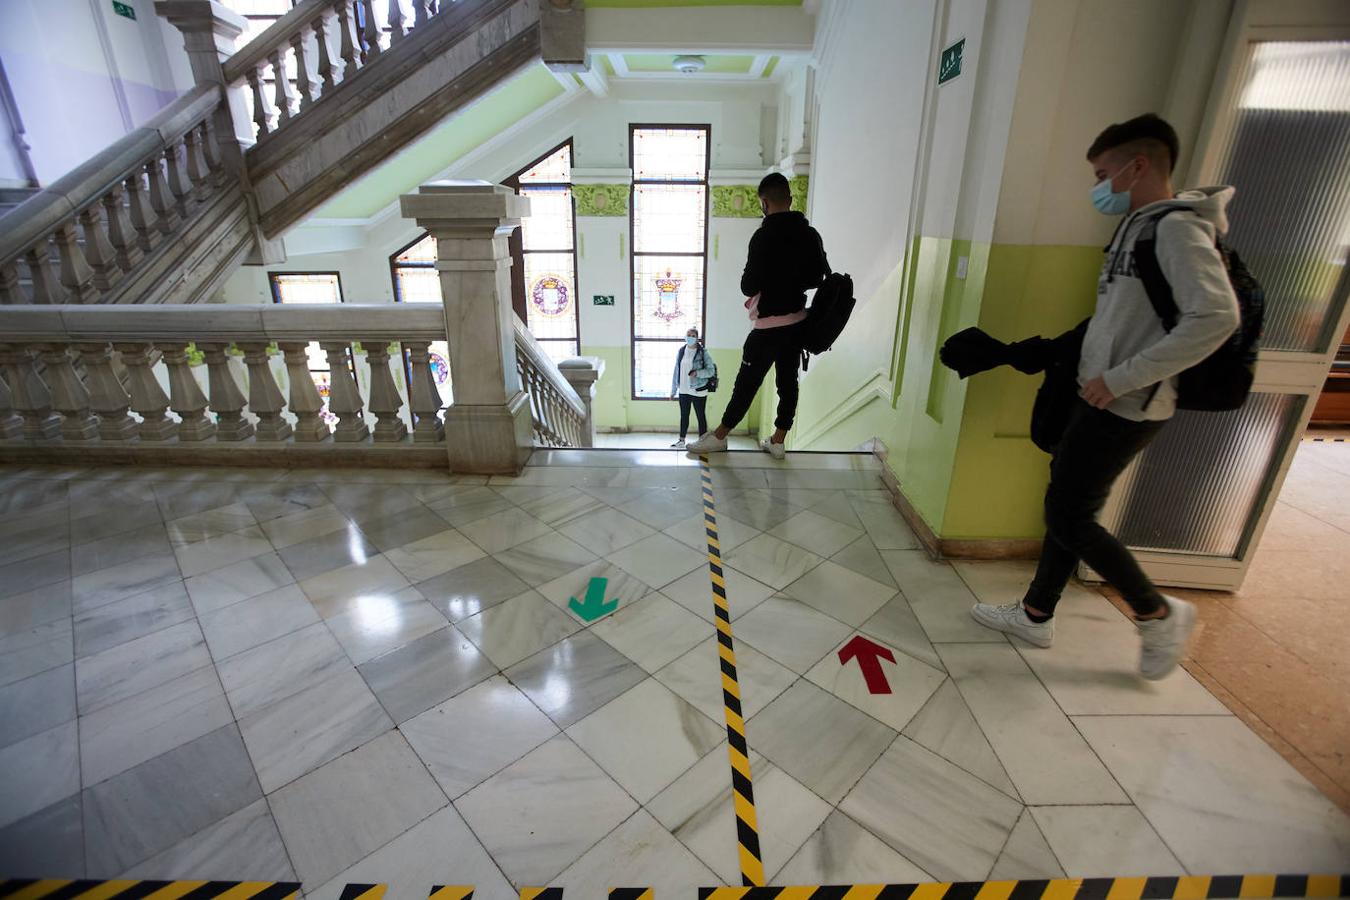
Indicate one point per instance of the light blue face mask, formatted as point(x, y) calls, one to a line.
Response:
point(1109, 202)
point(690, 341)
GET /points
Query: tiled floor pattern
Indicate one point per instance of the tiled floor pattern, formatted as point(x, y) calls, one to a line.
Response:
point(359, 676)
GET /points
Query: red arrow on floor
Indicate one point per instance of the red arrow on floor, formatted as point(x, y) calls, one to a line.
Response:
point(869, 656)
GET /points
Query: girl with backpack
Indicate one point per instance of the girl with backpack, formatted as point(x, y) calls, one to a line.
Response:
point(695, 376)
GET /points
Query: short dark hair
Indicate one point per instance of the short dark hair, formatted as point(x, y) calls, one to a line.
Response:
point(1147, 135)
point(775, 187)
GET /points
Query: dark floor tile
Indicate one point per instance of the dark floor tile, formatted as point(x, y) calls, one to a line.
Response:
point(403, 528)
point(472, 588)
point(428, 671)
point(47, 844)
point(35, 572)
point(328, 552)
point(575, 677)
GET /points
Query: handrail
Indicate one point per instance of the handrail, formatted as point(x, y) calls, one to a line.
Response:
point(526, 343)
point(278, 34)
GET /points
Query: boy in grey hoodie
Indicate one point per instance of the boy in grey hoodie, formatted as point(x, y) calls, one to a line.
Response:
point(1127, 373)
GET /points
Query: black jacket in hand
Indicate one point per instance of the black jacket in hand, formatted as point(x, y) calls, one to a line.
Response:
point(786, 258)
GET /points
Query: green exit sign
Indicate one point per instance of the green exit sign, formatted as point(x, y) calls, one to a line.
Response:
point(602, 300)
point(950, 66)
point(125, 10)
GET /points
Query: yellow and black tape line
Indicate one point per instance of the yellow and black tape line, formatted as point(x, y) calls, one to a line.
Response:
point(541, 893)
point(363, 892)
point(450, 892)
point(66, 889)
point(742, 790)
point(631, 894)
point(1191, 887)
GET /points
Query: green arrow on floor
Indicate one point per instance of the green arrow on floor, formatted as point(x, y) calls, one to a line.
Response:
point(595, 606)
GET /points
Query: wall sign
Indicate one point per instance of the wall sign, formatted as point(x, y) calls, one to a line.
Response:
point(950, 66)
point(125, 10)
point(602, 300)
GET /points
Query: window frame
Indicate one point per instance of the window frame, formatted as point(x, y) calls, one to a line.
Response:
point(395, 265)
point(633, 254)
point(275, 286)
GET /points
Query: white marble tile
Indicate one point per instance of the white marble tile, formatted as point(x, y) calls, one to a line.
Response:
point(37, 703)
point(248, 623)
point(123, 620)
point(620, 585)
point(862, 557)
point(564, 476)
point(37, 572)
point(557, 508)
point(640, 852)
point(843, 852)
point(39, 771)
point(304, 731)
point(658, 559)
point(472, 588)
point(840, 593)
point(520, 627)
point(218, 552)
point(774, 562)
point(438, 850)
point(842, 744)
point(883, 521)
point(21, 612)
point(304, 525)
point(379, 623)
point(758, 508)
point(209, 524)
point(129, 514)
point(539, 815)
point(243, 580)
point(947, 822)
point(1025, 728)
point(911, 683)
point(126, 734)
point(947, 727)
point(662, 507)
point(346, 589)
point(653, 631)
point(574, 677)
point(790, 632)
point(335, 816)
point(279, 668)
point(435, 555)
point(731, 533)
point(275, 501)
point(816, 532)
point(111, 551)
point(33, 650)
point(369, 502)
point(895, 624)
point(698, 810)
point(128, 669)
point(694, 592)
point(1026, 855)
point(834, 505)
point(242, 846)
point(469, 504)
point(694, 677)
point(1104, 842)
point(124, 580)
point(646, 738)
point(425, 672)
point(605, 530)
point(476, 734)
point(1219, 796)
point(938, 597)
point(545, 558)
point(504, 530)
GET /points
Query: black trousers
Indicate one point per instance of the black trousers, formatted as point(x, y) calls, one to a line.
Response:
point(780, 348)
point(1095, 449)
point(700, 405)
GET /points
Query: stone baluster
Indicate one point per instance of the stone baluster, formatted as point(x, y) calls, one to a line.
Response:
point(211, 150)
point(142, 217)
point(198, 174)
point(372, 32)
point(40, 274)
point(327, 78)
point(69, 396)
point(302, 83)
point(305, 403)
point(262, 111)
point(107, 398)
point(185, 395)
point(421, 12)
point(284, 93)
point(264, 397)
point(11, 423)
point(166, 217)
point(344, 396)
point(396, 33)
point(125, 251)
point(179, 186)
point(424, 397)
point(147, 397)
point(227, 401)
point(11, 292)
point(385, 402)
point(97, 251)
point(347, 47)
point(76, 276)
point(30, 396)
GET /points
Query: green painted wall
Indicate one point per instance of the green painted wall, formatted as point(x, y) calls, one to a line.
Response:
point(615, 408)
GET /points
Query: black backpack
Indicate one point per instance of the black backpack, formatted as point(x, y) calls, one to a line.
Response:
point(1222, 381)
point(829, 310)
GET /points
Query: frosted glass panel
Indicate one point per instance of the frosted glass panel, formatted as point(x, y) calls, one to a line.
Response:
point(1199, 487)
point(1288, 154)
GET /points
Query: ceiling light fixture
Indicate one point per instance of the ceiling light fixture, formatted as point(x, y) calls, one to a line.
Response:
point(689, 65)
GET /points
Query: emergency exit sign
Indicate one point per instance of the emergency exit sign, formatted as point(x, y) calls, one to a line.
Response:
point(950, 66)
point(602, 300)
point(125, 10)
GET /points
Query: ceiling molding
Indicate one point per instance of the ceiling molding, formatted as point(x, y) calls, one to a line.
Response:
point(778, 30)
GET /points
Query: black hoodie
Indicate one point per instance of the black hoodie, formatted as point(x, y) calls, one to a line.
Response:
point(786, 257)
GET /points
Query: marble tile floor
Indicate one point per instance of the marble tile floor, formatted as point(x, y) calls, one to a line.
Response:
point(347, 676)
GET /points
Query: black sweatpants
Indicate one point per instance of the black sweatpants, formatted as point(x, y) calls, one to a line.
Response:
point(700, 405)
point(780, 348)
point(1096, 447)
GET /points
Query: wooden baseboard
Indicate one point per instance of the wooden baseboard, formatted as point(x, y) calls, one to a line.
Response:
point(948, 548)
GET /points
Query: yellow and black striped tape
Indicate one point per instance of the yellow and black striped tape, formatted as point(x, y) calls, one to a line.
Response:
point(1192, 887)
point(363, 892)
point(631, 894)
point(67, 889)
point(742, 790)
point(450, 892)
point(541, 893)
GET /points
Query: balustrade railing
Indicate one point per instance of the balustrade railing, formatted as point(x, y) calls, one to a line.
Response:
point(561, 418)
point(101, 219)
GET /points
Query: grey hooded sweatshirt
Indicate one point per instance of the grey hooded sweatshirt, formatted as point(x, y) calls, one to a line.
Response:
point(1126, 343)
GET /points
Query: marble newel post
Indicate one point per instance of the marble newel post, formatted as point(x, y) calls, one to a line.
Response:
point(488, 429)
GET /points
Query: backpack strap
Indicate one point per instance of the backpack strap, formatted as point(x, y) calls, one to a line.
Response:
point(1150, 272)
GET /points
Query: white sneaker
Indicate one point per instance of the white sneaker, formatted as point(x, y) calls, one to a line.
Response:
point(678, 445)
point(777, 451)
point(1012, 619)
point(709, 443)
point(1165, 639)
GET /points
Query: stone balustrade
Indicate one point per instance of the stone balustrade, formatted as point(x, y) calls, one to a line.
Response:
point(79, 239)
point(561, 417)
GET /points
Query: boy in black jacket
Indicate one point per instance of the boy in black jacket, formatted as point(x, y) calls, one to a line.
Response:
point(786, 258)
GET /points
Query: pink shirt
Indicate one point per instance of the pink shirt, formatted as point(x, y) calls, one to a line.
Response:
point(752, 305)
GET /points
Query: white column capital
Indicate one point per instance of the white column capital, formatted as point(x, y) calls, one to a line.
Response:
point(465, 209)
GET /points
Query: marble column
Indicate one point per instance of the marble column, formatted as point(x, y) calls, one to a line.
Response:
point(488, 428)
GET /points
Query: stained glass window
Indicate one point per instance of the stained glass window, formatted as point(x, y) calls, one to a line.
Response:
point(670, 239)
point(311, 288)
point(544, 276)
